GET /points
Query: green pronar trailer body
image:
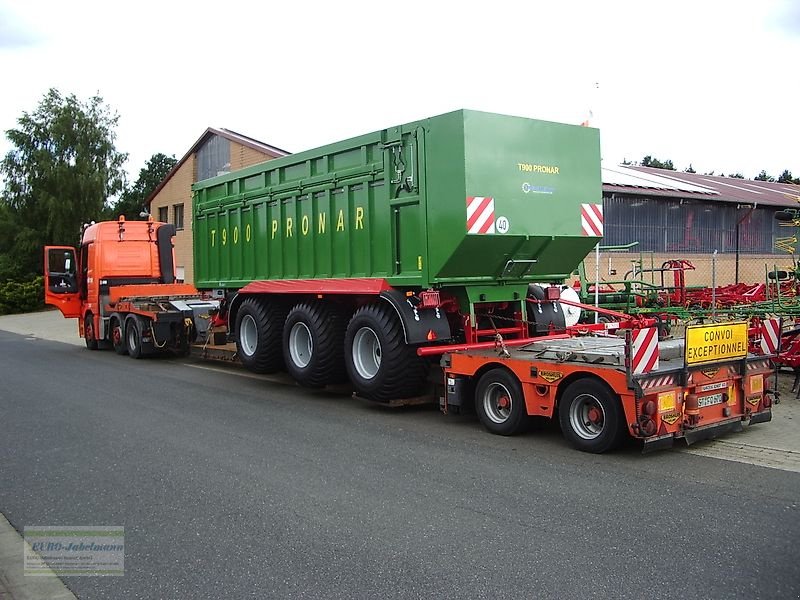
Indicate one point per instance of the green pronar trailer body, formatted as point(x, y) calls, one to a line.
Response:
point(464, 199)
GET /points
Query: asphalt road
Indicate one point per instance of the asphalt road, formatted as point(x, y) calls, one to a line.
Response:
point(231, 486)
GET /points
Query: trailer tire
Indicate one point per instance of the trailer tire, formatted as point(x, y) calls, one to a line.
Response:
point(313, 344)
point(133, 336)
point(591, 416)
point(259, 335)
point(544, 317)
point(89, 333)
point(118, 335)
point(380, 364)
point(500, 403)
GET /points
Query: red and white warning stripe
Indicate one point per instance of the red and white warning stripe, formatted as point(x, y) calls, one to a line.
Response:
point(592, 219)
point(770, 336)
point(656, 382)
point(758, 365)
point(645, 350)
point(480, 214)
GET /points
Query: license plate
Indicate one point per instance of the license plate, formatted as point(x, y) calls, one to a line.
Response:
point(709, 400)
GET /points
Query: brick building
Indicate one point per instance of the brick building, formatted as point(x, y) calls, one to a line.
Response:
point(217, 151)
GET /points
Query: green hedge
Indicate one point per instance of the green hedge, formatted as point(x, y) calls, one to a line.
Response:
point(21, 296)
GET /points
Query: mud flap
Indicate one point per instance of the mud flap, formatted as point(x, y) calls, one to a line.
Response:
point(712, 431)
point(418, 322)
point(661, 443)
point(762, 417)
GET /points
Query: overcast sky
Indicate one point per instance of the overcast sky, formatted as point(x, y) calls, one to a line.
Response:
point(714, 84)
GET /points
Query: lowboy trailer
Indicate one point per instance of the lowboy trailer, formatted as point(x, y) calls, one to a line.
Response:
point(604, 389)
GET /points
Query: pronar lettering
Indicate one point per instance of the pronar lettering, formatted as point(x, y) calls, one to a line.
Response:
point(289, 227)
point(534, 168)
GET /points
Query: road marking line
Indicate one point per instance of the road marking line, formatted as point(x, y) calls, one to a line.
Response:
point(271, 378)
point(773, 458)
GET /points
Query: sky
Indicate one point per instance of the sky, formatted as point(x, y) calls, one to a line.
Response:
point(714, 84)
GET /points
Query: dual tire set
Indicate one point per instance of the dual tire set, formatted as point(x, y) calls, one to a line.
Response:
point(127, 334)
point(590, 416)
point(321, 344)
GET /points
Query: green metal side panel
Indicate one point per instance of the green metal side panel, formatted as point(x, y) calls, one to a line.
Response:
point(324, 213)
point(393, 204)
point(537, 175)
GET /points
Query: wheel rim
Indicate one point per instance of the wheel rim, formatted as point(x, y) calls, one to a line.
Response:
point(89, 330)
point(366, 353)
point(587, 416)
point(301, 345)
point(497, 403)
point(116, 334)
point(248, 335)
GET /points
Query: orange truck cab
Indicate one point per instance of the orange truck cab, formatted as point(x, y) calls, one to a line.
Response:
point(120, 284)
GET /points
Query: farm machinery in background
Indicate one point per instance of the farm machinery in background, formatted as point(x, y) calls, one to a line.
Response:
point(661, 292)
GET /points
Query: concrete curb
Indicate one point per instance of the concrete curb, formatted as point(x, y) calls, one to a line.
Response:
point(13, 583)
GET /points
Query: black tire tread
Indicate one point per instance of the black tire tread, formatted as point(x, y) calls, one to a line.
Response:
point(327, 324)
point(135, 322)
point(407, 375)
point(91, 344)
point(615, 416)
point(121, 349)
point(269, 317)
point(519, 416)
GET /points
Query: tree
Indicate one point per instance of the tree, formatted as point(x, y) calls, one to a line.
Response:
point(689, 169)
point(786, 177)
point(736, 176)
point(59, 174)
point(131, 202)
point(649, 161)
point(763, 176)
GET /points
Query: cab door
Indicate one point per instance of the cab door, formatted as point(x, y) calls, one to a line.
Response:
point(61, 280)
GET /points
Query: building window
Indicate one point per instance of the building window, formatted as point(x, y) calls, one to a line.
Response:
point(178, 212)
point(163, 214)
point(213, 158)
point(690, 226)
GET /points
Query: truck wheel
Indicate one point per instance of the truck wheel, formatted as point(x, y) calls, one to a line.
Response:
point(259, 333)
point(313, 344)
point(118, 335)
point(133, 336)
point(89, 333)
point(591, 416)
point(500, 403)
point(380, 364)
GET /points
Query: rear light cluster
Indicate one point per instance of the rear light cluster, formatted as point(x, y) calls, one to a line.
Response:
point(647, 413)
point(659, 410)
